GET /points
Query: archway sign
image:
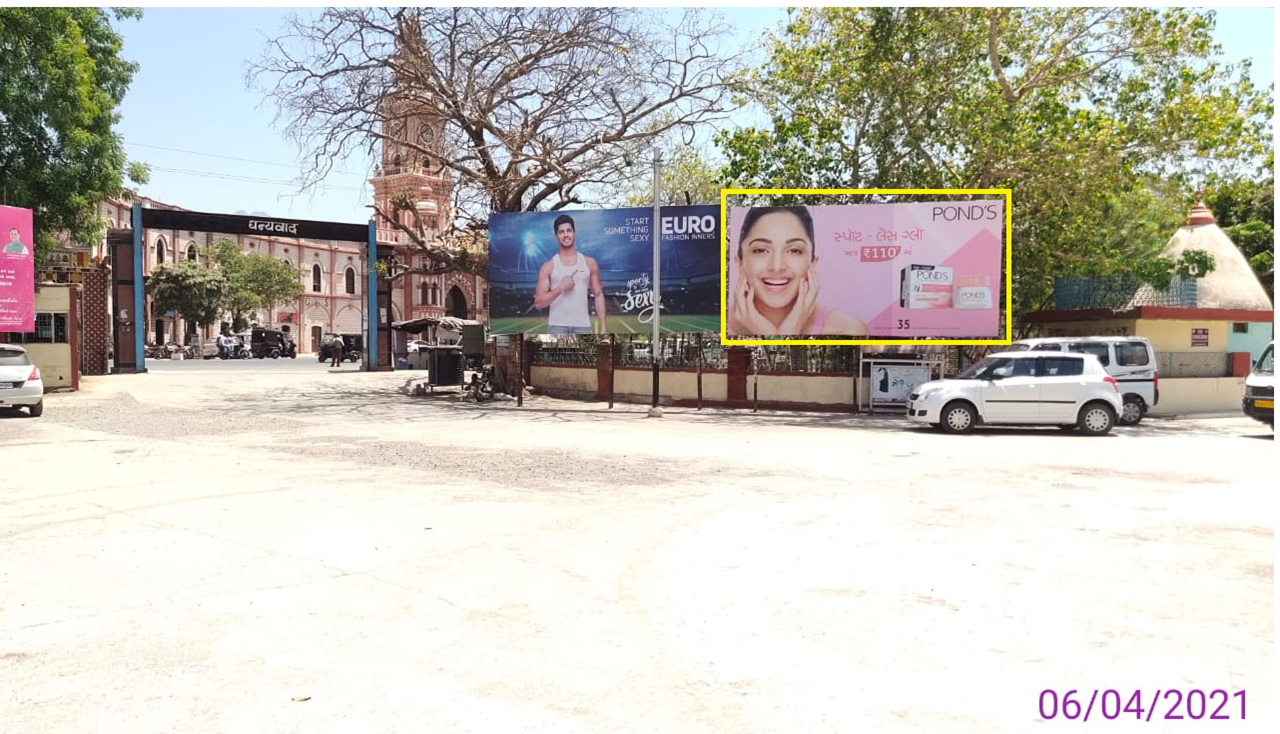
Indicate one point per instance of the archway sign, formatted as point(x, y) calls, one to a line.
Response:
point(129, 330)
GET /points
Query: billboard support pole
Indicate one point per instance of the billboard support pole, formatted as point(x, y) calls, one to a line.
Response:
point(699, 348)
point(656, 226)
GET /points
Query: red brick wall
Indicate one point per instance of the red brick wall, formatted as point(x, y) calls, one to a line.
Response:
point(96, 323)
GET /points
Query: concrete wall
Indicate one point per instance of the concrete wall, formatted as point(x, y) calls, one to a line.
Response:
point(1253, 341)
point(819, 389)
point(555, 378)
point(54, 360)
point(681, 385)
point(1175, 336)
point(1109, 327)
point(1180, 396)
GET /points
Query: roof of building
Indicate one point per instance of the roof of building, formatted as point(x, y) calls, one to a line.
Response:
point(1231, 285)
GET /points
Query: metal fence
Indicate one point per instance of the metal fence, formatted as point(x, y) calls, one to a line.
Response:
point(681, 351)
point(1194, 364)
point(817, 359)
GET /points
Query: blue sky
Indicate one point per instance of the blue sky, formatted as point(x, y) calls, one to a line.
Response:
point(213, 146)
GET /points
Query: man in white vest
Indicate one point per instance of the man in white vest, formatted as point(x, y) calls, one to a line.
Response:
point(565, 282)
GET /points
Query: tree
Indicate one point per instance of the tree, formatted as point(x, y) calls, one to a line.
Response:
point(61, 81)
point(539, 108)
point(1089, 115)
point(252, 281)
point(1246, 210)
point(189, 288)
point(687, 179)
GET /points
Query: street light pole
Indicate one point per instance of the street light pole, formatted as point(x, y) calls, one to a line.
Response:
point(654, 351)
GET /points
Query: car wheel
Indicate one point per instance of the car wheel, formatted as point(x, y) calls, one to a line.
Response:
point(36, 410)
point(1096, 418)
point(958, 417)
point(1132, 411)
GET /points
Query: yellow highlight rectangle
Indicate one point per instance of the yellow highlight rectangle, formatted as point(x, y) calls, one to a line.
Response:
point(724, 269)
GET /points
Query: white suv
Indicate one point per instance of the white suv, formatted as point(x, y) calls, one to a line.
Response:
point(1129, 359)
point(1024, 388)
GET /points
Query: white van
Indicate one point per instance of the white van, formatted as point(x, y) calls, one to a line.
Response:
point(1260, 388)
point(1129, 359)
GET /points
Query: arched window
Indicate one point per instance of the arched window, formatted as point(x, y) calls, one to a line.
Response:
point(315, 278)
point(424, 294)
point(160, 251)
point(351, 281)
point(435, 294)
point(191, 252)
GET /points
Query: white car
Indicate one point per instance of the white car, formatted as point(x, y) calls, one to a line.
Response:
point(20, 382)
point(417, 344)
point(1129, 359)
point(1022, 388)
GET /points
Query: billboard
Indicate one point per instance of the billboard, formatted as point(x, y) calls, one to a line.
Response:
point(17, 270)
point(892, 271)
point(552, 276)
point(891, 384)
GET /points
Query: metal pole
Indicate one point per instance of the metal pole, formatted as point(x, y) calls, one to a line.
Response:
point(371, 298)
point(699, 370)
point(656, 226)
point(755, 368)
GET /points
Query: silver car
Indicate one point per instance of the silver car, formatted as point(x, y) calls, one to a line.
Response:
point(20, 383)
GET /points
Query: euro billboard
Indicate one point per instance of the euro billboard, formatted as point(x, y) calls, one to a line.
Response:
point(591, 271)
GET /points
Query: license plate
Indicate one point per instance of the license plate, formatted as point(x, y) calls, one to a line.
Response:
point(6, 385)
point(1268, 404)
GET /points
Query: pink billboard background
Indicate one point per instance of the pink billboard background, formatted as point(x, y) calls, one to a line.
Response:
point(864, 249)
point(17, 271)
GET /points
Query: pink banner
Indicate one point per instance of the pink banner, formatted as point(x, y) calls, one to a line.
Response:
point(17, 270)
point(897, 271)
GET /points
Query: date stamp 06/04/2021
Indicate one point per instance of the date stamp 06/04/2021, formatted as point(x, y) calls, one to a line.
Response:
point(1142, 705)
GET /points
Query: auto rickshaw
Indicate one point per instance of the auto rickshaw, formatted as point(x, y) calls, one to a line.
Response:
point(272, 343)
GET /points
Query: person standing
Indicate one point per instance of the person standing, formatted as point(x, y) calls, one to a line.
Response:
point(566, 281)
point(335, 352)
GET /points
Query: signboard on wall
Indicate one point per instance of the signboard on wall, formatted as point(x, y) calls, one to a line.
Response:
point(1200, 337)
point(17, 270)
point(906, 270)
point(615, 246)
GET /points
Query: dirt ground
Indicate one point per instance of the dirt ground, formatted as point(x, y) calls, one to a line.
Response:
point(283, 547)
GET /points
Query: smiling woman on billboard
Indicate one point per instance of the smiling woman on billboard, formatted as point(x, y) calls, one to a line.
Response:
point(777, 289)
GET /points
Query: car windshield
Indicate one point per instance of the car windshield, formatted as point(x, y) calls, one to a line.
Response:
point(1015, 347)
point(13, 358)
point(1266, 363)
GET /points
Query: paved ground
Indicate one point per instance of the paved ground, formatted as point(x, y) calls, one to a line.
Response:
point(280, 547)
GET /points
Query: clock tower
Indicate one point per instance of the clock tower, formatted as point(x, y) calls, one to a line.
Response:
point(410, 165)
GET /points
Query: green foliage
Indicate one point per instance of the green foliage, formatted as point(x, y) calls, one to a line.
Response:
point(687, 179)
point(1245, 209)
point(189, 288)
point(61, 81)
point(252, 281)
point(1090, 116)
